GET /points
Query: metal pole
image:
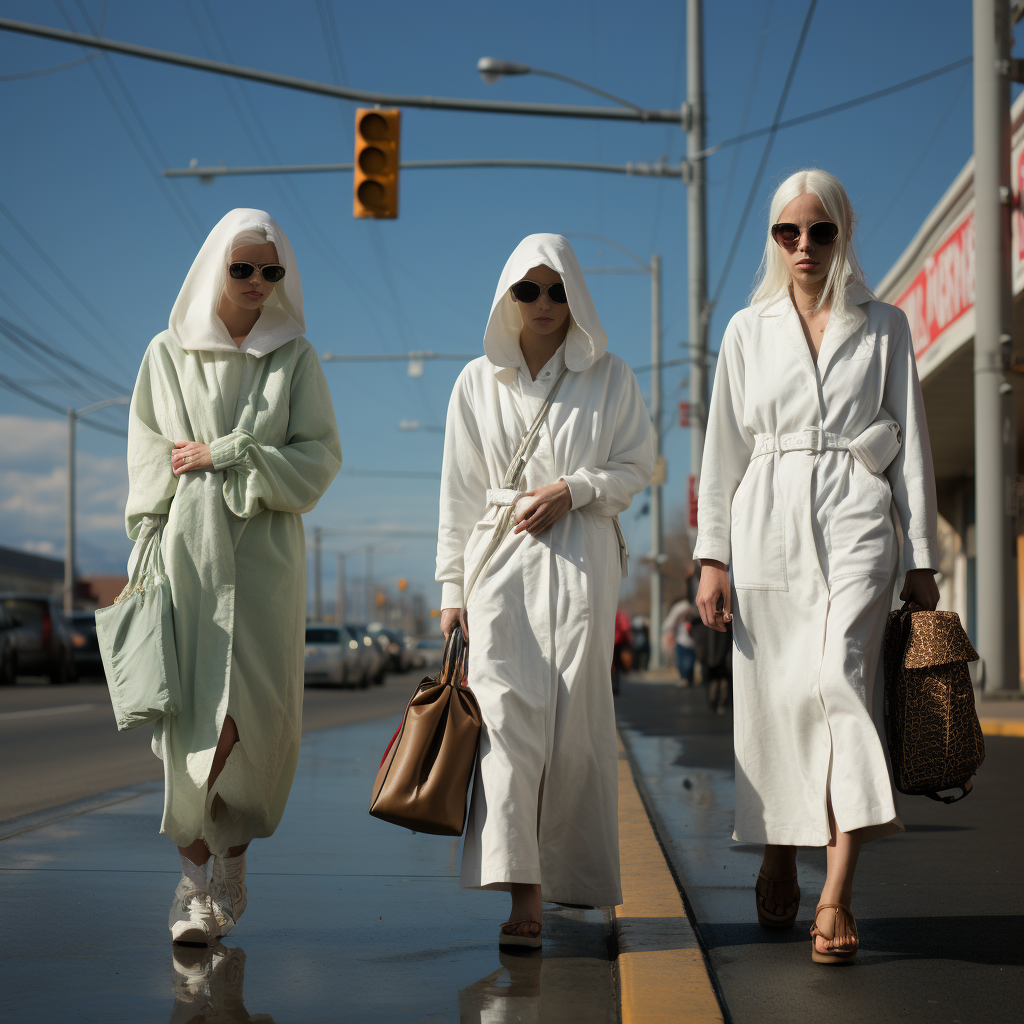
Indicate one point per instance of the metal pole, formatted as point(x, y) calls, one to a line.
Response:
point(994, 481)
point(696, 202)
point(369, 582)
point(69, 523)
point(317, 588)
point(656, 495)
point(339, 590)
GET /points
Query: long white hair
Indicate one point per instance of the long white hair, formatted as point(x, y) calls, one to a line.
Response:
point(773, 278)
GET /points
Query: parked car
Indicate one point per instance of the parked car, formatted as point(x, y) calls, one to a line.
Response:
point(8, 648)
point(416, 659)
point(333, 656)
point(392, 642)
point(375, 659)
point(43, 640)
point(85, 647)
point(430, 650)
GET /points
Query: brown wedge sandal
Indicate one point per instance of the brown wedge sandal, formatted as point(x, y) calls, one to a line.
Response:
point(520, 933)
point(777, 899)
point(842, 947)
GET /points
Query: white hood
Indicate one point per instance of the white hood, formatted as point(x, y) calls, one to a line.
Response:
point(586, 341)
point(194, 321)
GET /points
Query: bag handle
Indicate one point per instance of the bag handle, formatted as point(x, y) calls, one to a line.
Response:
point(453, 661)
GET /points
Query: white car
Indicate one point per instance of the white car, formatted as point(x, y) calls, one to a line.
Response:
point(334, 655)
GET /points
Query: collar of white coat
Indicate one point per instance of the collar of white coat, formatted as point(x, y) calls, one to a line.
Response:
point(548, 372)
point(586, 341)
point(194, 323)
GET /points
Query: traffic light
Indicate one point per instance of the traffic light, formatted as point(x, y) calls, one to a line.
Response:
point(381, 599)
point(403, 583)
point(375, 181)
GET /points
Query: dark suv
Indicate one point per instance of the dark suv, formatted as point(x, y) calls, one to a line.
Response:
point(42, 638)
point(8, 651)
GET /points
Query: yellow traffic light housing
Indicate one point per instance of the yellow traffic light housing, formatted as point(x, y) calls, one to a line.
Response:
point(375, 181)
point(403, 583)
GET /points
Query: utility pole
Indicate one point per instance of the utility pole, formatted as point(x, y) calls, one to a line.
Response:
point(339, 590)
point(657, 606)
point(317, 587)
point(368, 573)
point(696, 200)
point(994, 454)
point(69, 521)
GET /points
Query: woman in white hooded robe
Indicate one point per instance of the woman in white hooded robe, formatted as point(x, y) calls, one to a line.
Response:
point(816, 447)
point(541, 609)
point(231, 437)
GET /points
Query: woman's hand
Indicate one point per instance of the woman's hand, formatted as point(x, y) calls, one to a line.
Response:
point(921, 590)
point(547, 505)
point(452, 617)
point(714, 595)
point(189, 455)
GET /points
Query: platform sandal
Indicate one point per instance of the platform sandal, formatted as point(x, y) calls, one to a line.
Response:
point(843, 946)
point(777, 900)
point(520, 933)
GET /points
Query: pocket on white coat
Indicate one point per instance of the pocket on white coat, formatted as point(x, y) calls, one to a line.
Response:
point(758, 535)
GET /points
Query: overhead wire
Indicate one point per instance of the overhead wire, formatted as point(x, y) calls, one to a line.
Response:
point(762, 166)
point(13, 385)
point(182, 210)
point(68, 64)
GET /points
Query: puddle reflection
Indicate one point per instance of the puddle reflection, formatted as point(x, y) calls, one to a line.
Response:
point(511, 993)
point(208, 986)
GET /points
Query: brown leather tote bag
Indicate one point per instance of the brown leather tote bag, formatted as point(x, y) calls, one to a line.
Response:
point(423, 780)
point(934, 735)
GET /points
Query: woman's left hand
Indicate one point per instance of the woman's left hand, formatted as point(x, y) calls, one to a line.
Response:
point(189, 455)
point(921, 590)
point(549, 503)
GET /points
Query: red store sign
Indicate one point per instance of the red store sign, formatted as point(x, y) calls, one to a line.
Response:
point(943, 290)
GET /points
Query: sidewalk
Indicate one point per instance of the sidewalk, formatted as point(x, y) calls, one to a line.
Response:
point(348, 919)
point(940, 907)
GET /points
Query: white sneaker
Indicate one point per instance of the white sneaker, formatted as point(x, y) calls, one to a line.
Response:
point(191, 919)
point(227, 890)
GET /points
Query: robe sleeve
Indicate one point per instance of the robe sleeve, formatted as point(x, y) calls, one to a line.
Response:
point(608, 489)
point(463, 492)
point(727, 448)
point(291, 478)
point(151, 481)
point(911, 475)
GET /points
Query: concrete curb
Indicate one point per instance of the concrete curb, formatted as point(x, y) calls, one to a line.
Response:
point(662, 972)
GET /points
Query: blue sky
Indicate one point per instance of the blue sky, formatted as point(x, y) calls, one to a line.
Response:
point(76, 181)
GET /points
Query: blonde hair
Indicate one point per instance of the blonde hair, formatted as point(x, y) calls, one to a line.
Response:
point(773, 278)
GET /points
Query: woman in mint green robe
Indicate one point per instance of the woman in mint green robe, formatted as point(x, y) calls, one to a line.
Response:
point(232, 437)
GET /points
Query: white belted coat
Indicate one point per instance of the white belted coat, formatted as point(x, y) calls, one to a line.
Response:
point(810, 535)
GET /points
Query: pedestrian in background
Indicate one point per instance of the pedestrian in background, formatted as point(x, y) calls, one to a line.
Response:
point(676, 638)
point(539, 598)
point(816, 435)
point(641, 642)
point(231, 437)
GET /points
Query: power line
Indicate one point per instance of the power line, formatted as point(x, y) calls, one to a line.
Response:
point(67, 64)
point(759, 175)
point(13, 385)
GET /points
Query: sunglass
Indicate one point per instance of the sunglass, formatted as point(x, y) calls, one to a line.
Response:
point(272, 272)
point(824, 232)
point(529, 291)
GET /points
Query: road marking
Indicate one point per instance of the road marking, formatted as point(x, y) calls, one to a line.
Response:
point(662, 975)
point(1002, 726)
point(64, 709)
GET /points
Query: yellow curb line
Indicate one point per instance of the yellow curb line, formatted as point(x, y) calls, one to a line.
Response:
point(1002, 726)
point(662, 976)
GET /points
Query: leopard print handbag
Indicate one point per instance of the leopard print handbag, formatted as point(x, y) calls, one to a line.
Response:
point(932, 727)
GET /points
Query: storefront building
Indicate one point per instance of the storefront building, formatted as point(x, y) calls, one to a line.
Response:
point(933, 282)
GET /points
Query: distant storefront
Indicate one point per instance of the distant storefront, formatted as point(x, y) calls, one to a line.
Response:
point(28, 573)
point(933, 282)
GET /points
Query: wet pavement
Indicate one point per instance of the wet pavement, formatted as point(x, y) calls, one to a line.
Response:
point(940, 908)
point(349, 919)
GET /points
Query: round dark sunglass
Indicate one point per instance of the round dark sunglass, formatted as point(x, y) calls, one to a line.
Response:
point(272, 272)
point(824, 232)
point(529, 291)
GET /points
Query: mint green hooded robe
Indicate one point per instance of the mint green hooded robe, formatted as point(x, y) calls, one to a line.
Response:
point(232, 538)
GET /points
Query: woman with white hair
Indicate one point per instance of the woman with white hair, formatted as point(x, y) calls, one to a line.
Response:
point(231, 437)
point(817, 447)
point(534, 562)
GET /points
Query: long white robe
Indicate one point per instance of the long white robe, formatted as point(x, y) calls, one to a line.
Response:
point(811, 541)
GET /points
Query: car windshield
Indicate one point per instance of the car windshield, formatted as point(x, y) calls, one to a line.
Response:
point(84, 618)
point(27, 611)
point(321, 635)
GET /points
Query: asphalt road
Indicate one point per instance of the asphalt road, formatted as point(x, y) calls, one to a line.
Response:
point(940, 907)
point(59, 743)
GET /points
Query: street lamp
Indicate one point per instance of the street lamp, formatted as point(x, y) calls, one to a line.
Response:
point(491, 69)
point(69, 525)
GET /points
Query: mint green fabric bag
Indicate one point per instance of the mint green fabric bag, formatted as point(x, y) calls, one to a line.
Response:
point(136, 638)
